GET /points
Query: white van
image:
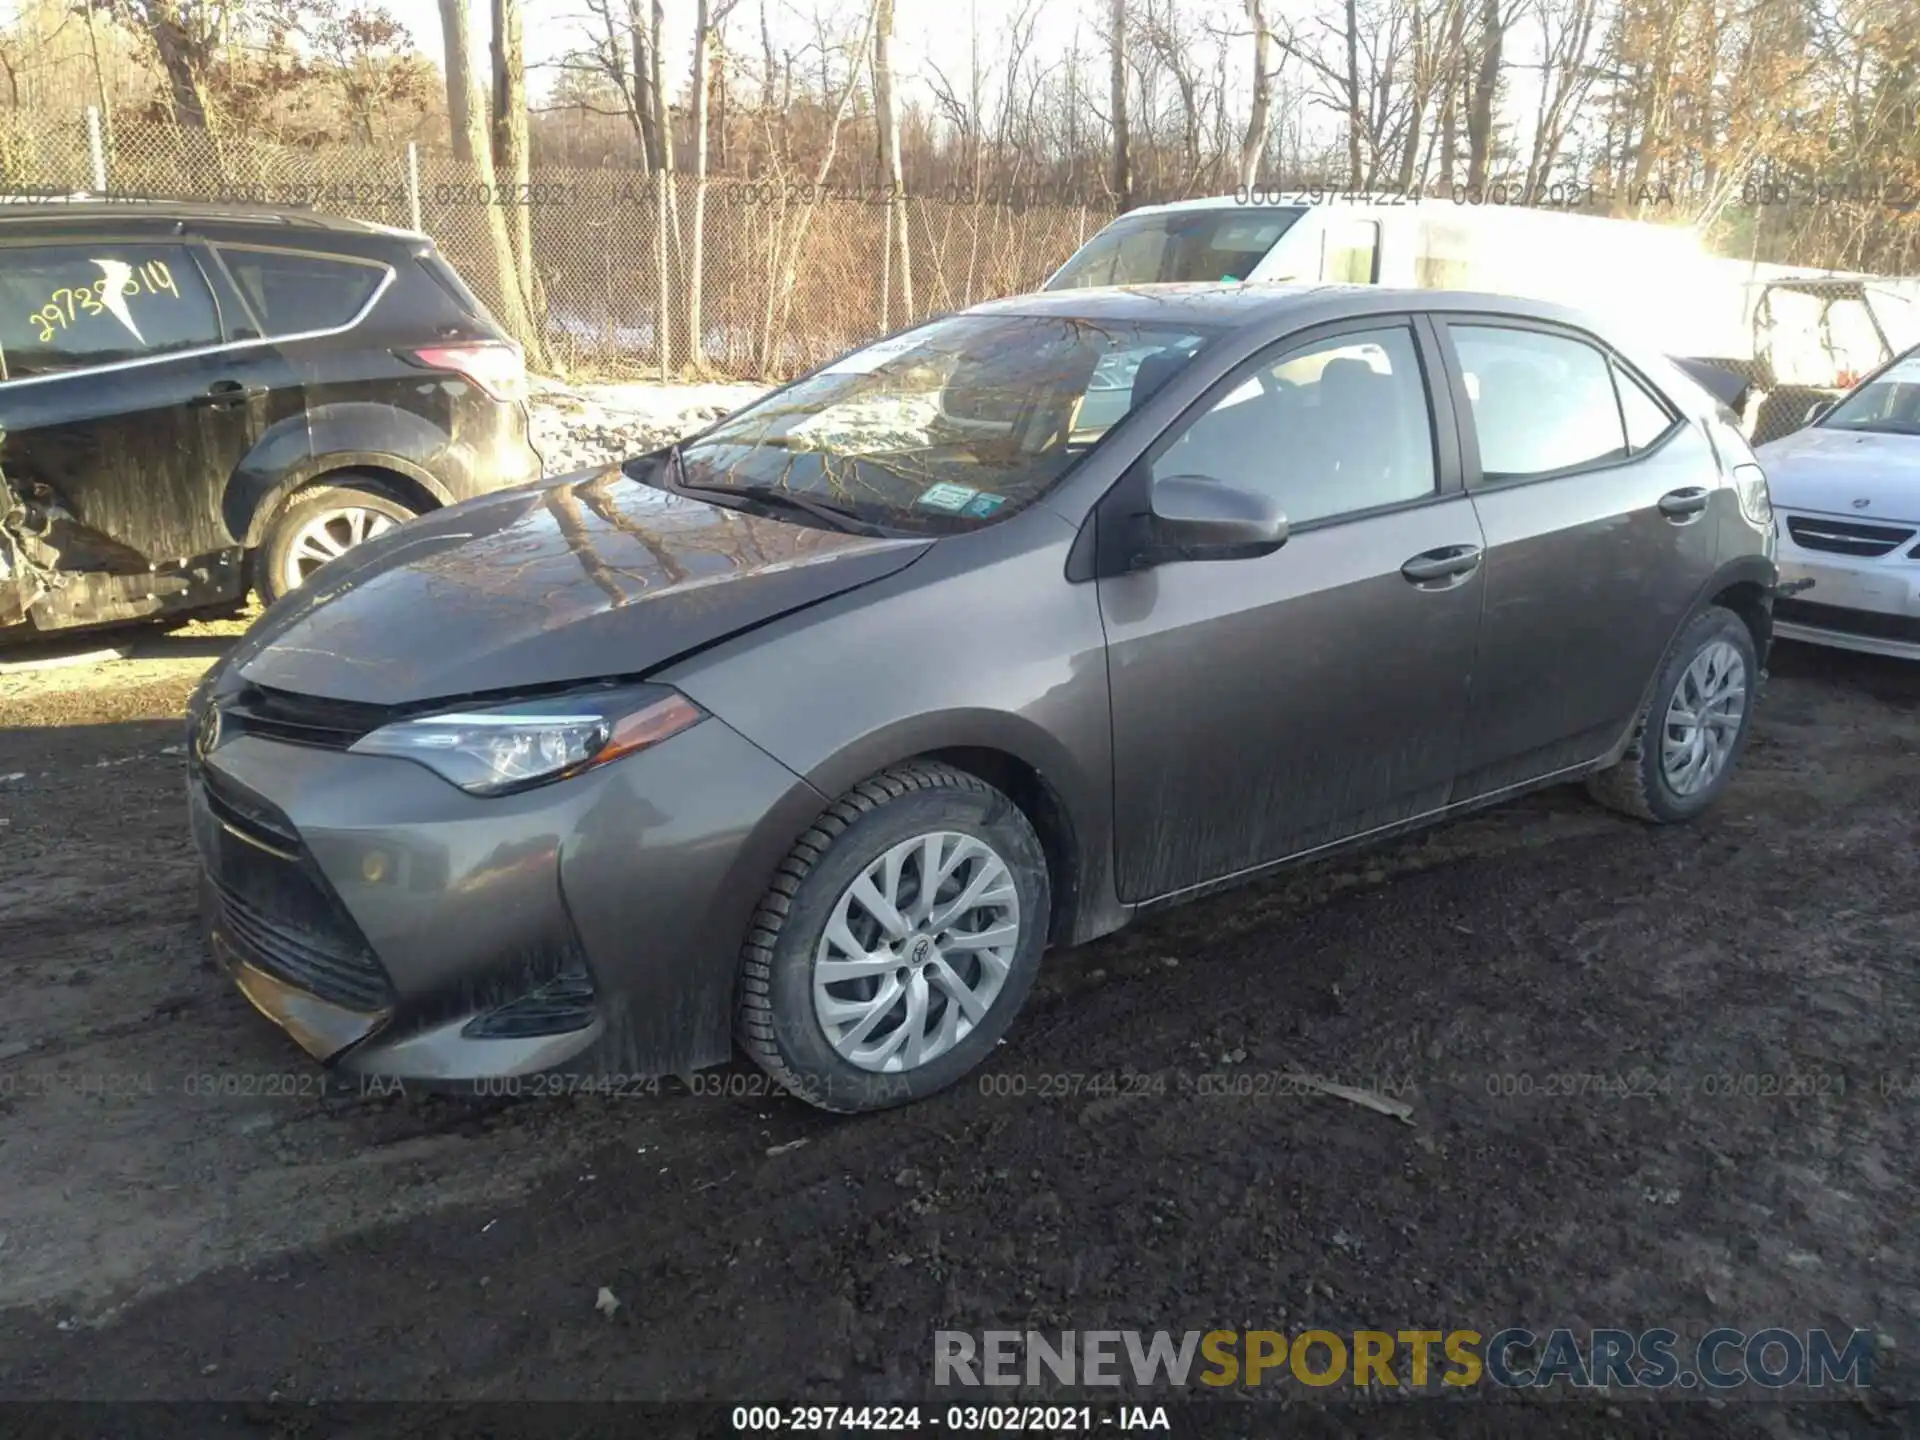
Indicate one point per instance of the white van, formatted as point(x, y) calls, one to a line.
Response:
point(1648, 275)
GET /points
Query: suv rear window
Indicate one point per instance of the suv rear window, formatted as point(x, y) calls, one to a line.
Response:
point(69, 307)
point(295, 294)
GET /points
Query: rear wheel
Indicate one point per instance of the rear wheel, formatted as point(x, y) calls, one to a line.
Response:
point(1693, 728)
point(897, 942)
point(318, 525)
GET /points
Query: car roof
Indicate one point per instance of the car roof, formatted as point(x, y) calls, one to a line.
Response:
point(1256, 305)
point(23, 213)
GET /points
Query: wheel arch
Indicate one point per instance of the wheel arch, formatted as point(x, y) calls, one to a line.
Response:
point(391, 475)
point(1022, 761)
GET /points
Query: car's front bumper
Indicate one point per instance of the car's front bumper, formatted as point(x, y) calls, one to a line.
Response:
point(381, 916)
point(1869, 603)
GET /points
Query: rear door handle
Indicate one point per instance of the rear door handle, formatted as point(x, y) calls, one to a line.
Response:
point(225, 393)
point(1677, 504)
point(1439, 569)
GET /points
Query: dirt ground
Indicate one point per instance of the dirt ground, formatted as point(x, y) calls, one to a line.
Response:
point(185, 1214)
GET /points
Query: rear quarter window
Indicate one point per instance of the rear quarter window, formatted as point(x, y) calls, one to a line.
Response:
point(297, 294)
point(448, 279)
point(70, 307)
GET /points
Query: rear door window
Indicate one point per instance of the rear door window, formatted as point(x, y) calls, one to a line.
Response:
point(1541, 403)
point(1647, 416)
point(298, 294)
point(72, 307)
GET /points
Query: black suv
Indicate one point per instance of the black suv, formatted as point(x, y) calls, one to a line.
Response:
point(198, 401)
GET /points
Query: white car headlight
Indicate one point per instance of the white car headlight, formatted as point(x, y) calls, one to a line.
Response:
point(500, 749)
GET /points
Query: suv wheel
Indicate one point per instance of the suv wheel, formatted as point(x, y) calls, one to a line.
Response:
point(319, 524)
point(897, 942)
point(1692, 731)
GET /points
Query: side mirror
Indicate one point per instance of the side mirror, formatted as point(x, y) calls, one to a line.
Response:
point(1817, 411)
point(1196, 517)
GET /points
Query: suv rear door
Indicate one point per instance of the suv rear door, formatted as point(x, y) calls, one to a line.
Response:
point(1596, 498)
point(119, 396)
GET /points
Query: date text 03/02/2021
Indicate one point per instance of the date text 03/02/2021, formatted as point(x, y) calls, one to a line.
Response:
point(987, 1419)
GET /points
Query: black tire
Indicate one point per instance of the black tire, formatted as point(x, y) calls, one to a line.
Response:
point(1638, 785)
point(774, 1017)
point(269, 561)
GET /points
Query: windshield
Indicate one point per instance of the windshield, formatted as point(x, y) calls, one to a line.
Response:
point(1888, 406)
point(1176, 246)
point(947, 427)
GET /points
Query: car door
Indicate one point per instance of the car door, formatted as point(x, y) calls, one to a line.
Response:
point(1594, 497)
point(1264, 707)
point(120, 395)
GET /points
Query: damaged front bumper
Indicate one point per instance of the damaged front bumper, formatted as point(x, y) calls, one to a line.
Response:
point(397, 927)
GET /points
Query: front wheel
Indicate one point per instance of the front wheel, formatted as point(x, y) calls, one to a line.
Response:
point(897, 942)
point(318, 525)
point(1694, 727)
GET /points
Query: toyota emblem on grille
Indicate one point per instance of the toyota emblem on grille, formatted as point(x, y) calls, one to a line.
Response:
point(1861, 504)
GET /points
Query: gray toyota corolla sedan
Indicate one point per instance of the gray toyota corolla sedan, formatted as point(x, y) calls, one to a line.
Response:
point(814, 731)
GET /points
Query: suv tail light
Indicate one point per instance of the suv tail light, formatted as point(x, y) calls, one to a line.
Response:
point(495, 366)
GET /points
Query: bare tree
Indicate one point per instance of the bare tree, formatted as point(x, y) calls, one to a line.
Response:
point(457, 45)
point(1122, 180)
point(1483, 85)
point(887, 121)
point(709, 16)
point(509, 130)
point(1567, 32)
point(473, 145)
point(1254, 144)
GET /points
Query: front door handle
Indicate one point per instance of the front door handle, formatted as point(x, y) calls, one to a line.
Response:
point(1678, 504)
point(227, 393)
point(1443, 568)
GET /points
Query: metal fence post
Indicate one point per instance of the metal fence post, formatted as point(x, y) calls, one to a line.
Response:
point(96, 150)
point(413, 182)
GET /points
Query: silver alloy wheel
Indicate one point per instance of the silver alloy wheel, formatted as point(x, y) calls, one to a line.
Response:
point(916, 951)
point(1703, 718)
point(327, 536)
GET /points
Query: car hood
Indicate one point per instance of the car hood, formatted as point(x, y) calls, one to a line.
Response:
point(1833, 471)
point(579, 578)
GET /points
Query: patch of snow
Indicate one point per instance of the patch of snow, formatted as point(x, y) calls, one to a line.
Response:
point(575, 426)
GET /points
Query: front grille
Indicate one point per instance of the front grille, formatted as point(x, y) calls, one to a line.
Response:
point(326, 965)
point(1867, 624)
point(300, 719)
point(249, 817)
point(274, 906)
point(1847, 537)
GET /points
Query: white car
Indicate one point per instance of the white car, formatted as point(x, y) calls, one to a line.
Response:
point(1846, 501)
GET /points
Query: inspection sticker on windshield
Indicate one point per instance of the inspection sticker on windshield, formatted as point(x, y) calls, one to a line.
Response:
point(983, 504)
point(860, 362)
point(946, 497)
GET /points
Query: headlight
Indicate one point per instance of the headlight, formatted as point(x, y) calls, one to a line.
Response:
point(511, 747)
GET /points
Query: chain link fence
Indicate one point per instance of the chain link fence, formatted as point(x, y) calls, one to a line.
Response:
point(789, 276)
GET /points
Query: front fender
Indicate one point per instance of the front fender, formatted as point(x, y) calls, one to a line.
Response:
point(350, 435)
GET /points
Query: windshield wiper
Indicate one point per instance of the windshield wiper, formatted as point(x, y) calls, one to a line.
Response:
point(839, 517)
point(828, 512)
